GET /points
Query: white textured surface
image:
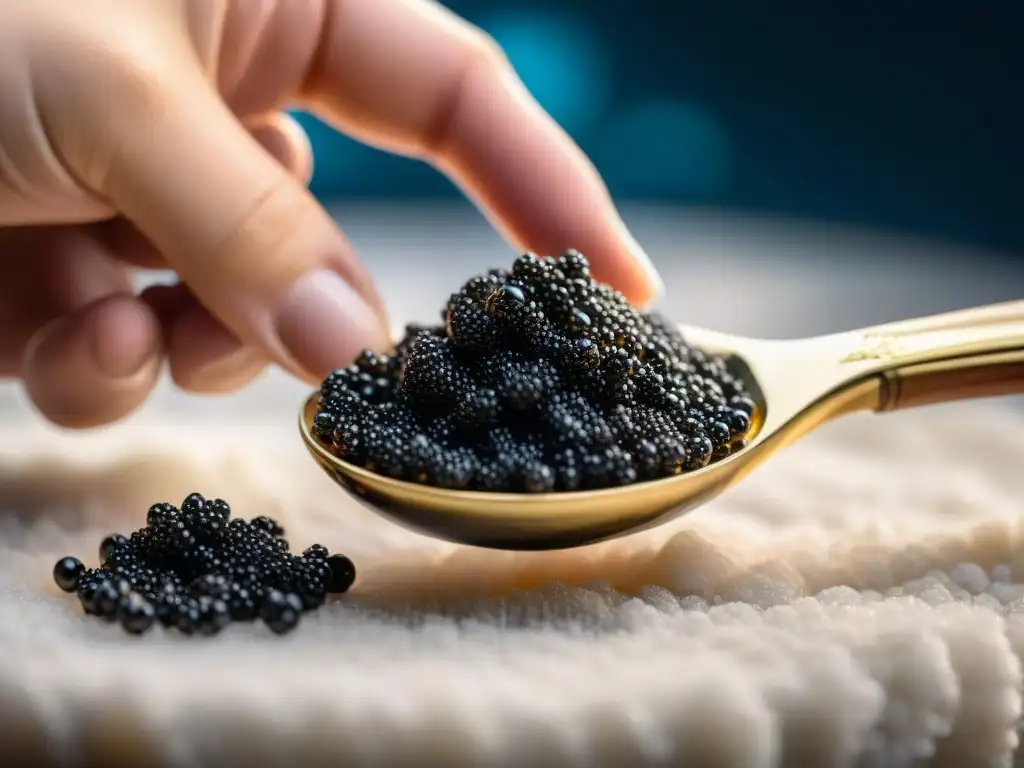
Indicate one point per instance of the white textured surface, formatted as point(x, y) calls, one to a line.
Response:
point(860, 598)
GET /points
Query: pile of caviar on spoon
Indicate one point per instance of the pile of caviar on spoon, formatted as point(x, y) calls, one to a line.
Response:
point(196, 569)
point(538, 379)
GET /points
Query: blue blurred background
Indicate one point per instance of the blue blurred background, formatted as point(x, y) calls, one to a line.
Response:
point(904, 117)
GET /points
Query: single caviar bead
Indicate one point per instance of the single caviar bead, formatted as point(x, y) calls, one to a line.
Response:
point(538, 379)
point(342, 574)
point(195, 569)
point(106, 600)
point(738, 422)
point(135, 613)
point(67, 572)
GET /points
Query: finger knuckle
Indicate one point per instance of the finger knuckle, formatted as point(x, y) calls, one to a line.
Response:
point(92, 102)
point(122, 91)
point(132, 72)
point(482, 51)
point(143, 82)
point(480, 58)
point(269, 232)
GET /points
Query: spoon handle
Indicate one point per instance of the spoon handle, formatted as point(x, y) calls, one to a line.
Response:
point(971, 353)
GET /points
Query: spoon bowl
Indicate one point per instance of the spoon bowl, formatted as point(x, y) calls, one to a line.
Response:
point(796, 385)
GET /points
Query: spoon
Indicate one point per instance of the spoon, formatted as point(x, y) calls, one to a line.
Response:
point(797, 385)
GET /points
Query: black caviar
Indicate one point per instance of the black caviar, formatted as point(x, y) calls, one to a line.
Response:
point(67, 572)
point(539, 379)
point(196, 569)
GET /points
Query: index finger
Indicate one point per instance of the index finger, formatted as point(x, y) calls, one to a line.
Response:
point(411, 77)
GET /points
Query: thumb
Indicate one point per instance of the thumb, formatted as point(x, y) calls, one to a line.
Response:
point(251, 243)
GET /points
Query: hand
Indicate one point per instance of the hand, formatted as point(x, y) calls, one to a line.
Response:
point(149, 134)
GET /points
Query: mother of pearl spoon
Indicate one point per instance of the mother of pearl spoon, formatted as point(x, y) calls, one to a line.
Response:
point(797, 385)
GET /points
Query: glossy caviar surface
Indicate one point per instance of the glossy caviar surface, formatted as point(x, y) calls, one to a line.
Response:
point(538, 379)
point(196, 569)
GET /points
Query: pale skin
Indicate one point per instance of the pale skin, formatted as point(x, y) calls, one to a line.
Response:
point(151, 134)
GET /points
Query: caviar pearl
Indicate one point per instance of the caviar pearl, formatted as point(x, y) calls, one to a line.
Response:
point(342, 575)
point(135, 613)
point(106, 601)
point(195, 569)
point(67, 572)
point(739, 422)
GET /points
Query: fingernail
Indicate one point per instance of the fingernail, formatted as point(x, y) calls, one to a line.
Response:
point(656, 286)
point(324, 323)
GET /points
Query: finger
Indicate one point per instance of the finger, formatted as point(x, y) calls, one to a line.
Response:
point(250, 242)
point(280, 135)
point(165, 302)
point(286, 141)
point(95, 366)
point(47, 273)
point(204, 356)
point(410, 76)
point(120, 238)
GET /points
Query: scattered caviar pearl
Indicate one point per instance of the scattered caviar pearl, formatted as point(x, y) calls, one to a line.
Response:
point(342, 574)
point(529, 363)
point(195, 569)
point(67, 572)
